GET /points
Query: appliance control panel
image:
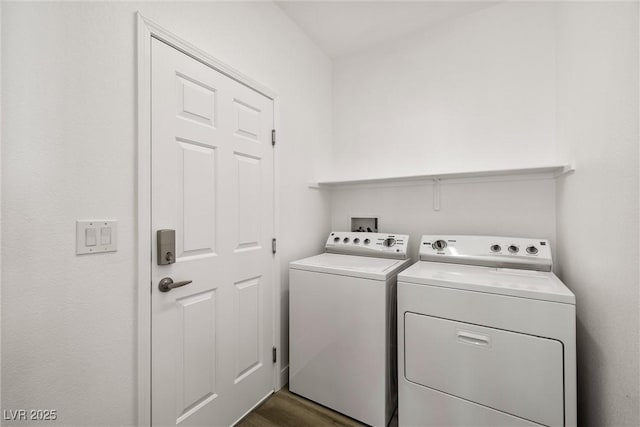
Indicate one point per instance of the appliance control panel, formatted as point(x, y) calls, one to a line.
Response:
point(381, 245)
point(490, 251)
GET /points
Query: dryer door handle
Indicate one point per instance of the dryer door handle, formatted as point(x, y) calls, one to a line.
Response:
point(467, 337)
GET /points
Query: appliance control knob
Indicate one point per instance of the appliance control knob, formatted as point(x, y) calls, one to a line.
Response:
point(513, 249)
point(388, 242)
point(367, 241)
point(356, 240)
point(345, 240)
point(532, 250)
point(439, 245)
point(496, 248)
point(336, 239)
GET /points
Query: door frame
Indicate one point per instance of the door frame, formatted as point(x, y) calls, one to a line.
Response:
point(146, 30)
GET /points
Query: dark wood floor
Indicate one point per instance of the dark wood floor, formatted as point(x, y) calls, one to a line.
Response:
point(285, 409)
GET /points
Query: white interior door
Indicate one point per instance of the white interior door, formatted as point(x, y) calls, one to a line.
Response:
point(212, 182)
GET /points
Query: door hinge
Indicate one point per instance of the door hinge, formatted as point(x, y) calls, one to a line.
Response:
point(275, 354)
point(273, 245)
point(273, 137)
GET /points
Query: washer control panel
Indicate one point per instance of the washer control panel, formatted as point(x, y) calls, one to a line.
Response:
point(490, 251)
point(381, 245)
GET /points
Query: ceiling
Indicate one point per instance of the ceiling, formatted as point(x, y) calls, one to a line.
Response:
point(342, 28)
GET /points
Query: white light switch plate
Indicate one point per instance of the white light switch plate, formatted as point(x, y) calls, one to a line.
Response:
point(94, 236)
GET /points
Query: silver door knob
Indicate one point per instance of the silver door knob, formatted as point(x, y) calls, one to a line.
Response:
point(167, 284)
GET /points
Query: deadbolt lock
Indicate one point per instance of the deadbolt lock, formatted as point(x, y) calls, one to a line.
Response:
point(166, 246)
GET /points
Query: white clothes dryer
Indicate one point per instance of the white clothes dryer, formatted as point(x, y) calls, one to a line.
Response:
point(486, 335)
point(342, 324)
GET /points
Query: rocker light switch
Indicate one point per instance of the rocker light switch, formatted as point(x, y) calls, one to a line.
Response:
point(96, 236)
point(90, 237)
point(105, 235)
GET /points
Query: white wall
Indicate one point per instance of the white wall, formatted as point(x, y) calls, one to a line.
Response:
point(69, 151)
point(523, 207)
point(598, 205)
point(475, 92)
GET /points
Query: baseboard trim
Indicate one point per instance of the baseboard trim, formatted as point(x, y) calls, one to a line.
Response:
point(284, 377)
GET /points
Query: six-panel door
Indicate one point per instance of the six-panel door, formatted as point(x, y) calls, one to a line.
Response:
point(212, 181)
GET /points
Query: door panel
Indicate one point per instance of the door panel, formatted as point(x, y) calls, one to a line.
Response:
point(212, 182)
point(196, 100)
point(248, 333)
point(197, 224)
point(196, 361)
point(511, 372)
point(247, 121)
point(248, 201)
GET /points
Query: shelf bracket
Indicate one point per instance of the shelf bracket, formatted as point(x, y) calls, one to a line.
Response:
point(566, 170)
point(436, 194)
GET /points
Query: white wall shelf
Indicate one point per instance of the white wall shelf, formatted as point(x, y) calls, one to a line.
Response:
point(554, 170)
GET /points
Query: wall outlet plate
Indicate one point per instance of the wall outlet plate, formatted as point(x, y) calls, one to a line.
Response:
point(95, 236)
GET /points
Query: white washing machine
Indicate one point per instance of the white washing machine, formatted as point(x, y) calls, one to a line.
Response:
point(342, 324)
point(486, 335)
